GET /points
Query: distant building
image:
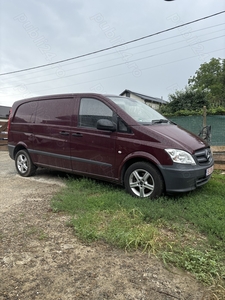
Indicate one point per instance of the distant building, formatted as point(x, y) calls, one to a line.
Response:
point(151, 101)
point(4, 113)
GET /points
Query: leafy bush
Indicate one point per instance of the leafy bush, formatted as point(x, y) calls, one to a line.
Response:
point(220, 110)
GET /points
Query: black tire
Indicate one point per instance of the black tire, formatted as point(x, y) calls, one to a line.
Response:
point(143, 180)
point(24, 164)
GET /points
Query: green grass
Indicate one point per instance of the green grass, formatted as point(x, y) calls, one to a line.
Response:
point(187, 231)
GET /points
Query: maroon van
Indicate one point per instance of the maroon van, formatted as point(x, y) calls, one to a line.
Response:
point(107, 137)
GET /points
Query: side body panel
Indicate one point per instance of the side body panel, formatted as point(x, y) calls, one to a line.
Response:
point(52, 133)
point(21, 127)
point(92, 150)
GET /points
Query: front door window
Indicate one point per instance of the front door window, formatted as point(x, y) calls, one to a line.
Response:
point(91, 110)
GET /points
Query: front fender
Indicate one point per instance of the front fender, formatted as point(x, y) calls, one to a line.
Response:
point(134, 157)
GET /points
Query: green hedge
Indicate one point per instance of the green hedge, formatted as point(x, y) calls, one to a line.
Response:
point(211, 111)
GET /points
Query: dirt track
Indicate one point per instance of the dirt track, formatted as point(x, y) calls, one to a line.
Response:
point(41, 258)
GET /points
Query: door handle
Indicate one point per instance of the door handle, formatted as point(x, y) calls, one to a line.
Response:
point(64, 132)
point(77, 134)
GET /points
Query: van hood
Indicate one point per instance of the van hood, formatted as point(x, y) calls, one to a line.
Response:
point(174, 136)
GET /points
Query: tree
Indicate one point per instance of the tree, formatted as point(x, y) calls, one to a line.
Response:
point(210, 79)
point(187, 99)
point(205, 88)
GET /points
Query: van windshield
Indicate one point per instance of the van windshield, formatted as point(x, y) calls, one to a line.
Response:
point(139, 111)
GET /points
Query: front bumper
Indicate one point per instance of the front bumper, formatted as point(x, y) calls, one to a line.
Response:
point(184, 178)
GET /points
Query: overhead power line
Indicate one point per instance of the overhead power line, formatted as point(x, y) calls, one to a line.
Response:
point(46, 74)
point(138, 46)
point(110, 66)
point(130, 48)
point(121, 74)
point(115, 46)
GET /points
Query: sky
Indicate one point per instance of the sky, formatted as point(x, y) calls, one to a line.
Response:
point(157, 57)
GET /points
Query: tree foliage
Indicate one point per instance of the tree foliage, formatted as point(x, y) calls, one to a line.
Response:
point(205, 88)
point(186, 100)
point(210, 78)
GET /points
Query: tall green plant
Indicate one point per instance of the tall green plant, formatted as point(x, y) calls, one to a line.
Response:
point(185, 100)
point(205, 88)
point(210, 79)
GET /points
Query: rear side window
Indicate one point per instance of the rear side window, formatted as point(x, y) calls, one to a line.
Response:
point(54, 112)
point(25, 112)
point(91, 110)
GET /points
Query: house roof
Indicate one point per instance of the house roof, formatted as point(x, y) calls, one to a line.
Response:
point(145, 97)
point(4, 112)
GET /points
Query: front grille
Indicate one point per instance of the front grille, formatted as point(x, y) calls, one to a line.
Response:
point(203, 156)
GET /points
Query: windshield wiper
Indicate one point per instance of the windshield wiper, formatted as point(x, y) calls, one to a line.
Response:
point(160, 121)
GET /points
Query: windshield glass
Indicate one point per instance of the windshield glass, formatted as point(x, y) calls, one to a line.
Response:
point(139, 111)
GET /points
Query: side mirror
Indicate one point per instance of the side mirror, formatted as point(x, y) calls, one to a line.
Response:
point(104, 124)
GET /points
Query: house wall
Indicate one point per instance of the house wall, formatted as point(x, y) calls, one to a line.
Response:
point(151, 104)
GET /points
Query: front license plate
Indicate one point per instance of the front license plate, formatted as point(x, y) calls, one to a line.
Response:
point(209, 171)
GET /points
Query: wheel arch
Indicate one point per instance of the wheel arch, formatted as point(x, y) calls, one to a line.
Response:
point(139, 158)
point(19, 147)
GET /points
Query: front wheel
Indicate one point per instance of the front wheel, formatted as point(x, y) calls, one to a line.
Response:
point(24, 164)
point(143, 180)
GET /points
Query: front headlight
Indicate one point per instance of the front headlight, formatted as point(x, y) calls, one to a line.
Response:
point(180, 156)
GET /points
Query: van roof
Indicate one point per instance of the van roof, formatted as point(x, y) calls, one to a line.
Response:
point(56, 96)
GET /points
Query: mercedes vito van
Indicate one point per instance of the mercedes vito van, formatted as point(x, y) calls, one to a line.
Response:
point(107, 137)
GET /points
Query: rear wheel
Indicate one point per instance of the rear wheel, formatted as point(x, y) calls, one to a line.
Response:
point(143, 180)
point(24, 164)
